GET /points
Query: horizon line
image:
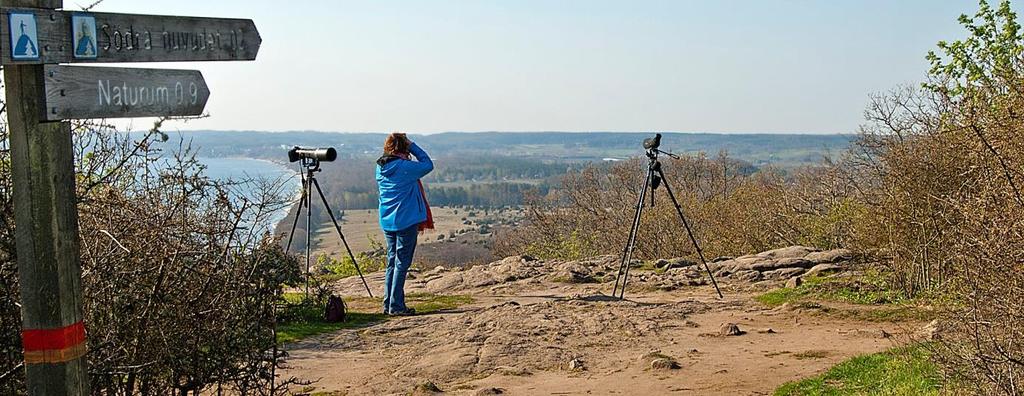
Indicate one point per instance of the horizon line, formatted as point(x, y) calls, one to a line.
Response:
point(804, 133)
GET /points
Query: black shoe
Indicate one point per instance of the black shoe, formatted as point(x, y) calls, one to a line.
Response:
point(407, 312)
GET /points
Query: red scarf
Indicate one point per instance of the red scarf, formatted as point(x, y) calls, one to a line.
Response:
point(429, 224)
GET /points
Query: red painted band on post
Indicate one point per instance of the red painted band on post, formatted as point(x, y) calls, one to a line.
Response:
point(53, 339)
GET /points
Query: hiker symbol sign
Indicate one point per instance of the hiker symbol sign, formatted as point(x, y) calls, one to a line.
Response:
point(24, 38)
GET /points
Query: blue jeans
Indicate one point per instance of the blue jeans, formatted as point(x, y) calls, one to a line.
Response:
point(401, 246)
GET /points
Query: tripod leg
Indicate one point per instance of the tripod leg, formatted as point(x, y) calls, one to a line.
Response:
point(309, 235)
point(627, 249)
point(295, 223)
point(636, 234)
point(342, 235)
point(689, 231)
point(627, 252)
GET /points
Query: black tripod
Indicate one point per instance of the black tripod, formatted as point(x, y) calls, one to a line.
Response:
point(655, 178)
point(309, 167)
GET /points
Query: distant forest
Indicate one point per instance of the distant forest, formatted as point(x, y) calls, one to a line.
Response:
point(785, 151)
point(476, 181)
point(494, 169)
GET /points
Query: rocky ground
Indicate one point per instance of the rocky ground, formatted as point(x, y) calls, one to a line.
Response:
point(549, 327)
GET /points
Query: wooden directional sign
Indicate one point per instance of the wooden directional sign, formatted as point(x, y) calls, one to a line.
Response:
point(35, 36)
point(80, 92)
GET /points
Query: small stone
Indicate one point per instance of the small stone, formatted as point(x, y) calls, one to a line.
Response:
point(437, 270)
point(426, 388)
point(512, 371)
point(767, 331)
point(931, 332)
point(490, 391)
point(794, 283)
point(577, 365)
point(730, 330)
point(824, 269)
point(665, 364)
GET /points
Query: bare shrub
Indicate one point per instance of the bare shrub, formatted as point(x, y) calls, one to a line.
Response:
point(181, 287)
point(733, 208)
point(944, 166)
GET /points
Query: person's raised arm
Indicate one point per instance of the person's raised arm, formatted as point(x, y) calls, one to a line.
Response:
point(423, 165)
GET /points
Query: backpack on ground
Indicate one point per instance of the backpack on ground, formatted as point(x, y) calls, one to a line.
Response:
point(335, 311)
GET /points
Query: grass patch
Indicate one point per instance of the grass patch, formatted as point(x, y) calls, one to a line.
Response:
point(295, 331)
point(879, 314)
point(778, 297)
point(430, 303)
point(870, 289)
point(901, 313)
point(812, 354)
point(902, 371)
point(870, 298)
point(299, 321)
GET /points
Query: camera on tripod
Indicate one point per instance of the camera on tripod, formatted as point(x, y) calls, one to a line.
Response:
point(653, 143)
point(310, 165)
point(325, 154)
point(655, 178)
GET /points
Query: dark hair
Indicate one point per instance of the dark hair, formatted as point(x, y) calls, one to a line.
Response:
point(396, 143)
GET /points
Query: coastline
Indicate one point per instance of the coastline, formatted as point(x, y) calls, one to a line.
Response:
point(224, 168)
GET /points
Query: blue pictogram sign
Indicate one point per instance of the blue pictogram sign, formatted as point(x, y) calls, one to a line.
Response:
point(83, 34)
point(24, 39)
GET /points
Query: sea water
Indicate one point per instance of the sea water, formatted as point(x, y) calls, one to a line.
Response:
point(237, 169)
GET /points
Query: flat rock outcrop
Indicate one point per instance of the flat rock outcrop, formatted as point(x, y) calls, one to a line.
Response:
point(779, 265)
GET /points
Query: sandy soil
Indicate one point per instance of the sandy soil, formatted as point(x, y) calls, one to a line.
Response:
point(531, 334)
point(361, 227)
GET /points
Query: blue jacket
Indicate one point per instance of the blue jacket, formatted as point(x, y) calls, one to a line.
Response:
point(401, 200)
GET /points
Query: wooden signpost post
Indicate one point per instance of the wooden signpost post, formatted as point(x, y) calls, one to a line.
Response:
point(35, 36)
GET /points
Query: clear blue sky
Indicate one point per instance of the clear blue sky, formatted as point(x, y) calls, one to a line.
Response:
point(566, 65)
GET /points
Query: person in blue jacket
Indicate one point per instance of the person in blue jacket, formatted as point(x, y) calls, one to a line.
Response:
point(403, 210)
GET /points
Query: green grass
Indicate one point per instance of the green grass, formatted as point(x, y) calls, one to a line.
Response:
point(813, 354)
point(881, 303)
point(903, 371)
point(778, 297)
point(870, 289)
point(302, 321)
point(295, 331)
point(430, 303)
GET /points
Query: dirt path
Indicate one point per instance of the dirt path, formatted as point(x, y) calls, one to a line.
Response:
point(531, 335)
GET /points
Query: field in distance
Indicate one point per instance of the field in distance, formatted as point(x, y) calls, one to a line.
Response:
point(462, 235)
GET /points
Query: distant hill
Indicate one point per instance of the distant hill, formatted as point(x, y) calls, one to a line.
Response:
point(760, 149)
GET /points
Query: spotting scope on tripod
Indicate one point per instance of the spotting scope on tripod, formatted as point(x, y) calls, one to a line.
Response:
point(655, 178)
point(309, 164)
